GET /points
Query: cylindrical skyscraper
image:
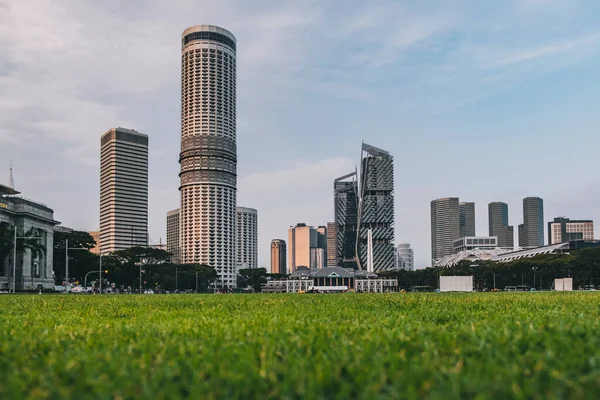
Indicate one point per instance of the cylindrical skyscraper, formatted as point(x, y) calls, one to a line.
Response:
point(208, 150)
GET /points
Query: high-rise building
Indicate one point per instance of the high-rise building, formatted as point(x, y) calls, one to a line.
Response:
point(173, 235)
point(376, 208)
point(531, 231)
point(563, 230)
point(345, 193)
point(406, 257)
point(123, 190)
point(247, 237)
point(306, 247)
point(467, 219)
point(322, 244)
point(498, 225)
point(445, 227)
point(331, 245)
point(278, 257)
point(208, 150)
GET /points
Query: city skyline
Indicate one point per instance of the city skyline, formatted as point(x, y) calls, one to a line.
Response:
point(42, 121)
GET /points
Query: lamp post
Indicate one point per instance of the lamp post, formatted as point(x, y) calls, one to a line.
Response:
point(67, 248)
point(14, 278)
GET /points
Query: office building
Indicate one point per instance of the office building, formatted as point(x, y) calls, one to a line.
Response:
point(376, 208)
point(246, 237)
point(331, 245)
point(405, 257)
point(563, 230)
point(278, 257)
point(96, 236)
point(173, 235)
point(498, 225)
point(322, 245)
point(531, 231)
point(467, 219)
point(445, 227)
point(34, 267)
point(475, 242)
point(345, 193)
point(123, 190)
point(208, 150)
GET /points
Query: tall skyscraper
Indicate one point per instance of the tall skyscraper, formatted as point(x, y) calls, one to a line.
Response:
point(331, 245)
point(304, 247)
point(345, 194)
point(322, 244)
point(445, 226)
point(406, 257)
point(467, 219)
point(173, 235)
point(531, 231)
point(123, 190)
point(498, 225)
point(564, 230)
point(247, 237)
point(208, 150)
point(376, 208)
point(278, 257)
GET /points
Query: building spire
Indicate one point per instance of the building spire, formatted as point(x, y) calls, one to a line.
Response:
point(11, 179)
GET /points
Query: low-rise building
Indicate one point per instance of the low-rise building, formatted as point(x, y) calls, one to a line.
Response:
point(34, 223)
point(475, 242)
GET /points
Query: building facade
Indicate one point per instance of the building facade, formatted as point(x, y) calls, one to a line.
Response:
point(173, 235)
point(467, 219)
point(34, 223)
point(278, 257)
point(332, 259)
point(531, 231)
point(405, 257)
point(445, 227)
point(475, 242)
point(498, 225)
point(345, 195)
point(96, 236)
point(246, 237)
point(302, 240)
point(376, 208)
point(123, 190)
point(564, 230)
point(208, 150)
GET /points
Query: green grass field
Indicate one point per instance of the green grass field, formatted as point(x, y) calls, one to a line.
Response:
point(491, 345)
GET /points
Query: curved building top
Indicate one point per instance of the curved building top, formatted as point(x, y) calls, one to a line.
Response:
point(208, 32)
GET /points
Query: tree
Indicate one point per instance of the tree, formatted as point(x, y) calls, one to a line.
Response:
point(81, 260)
point(125, 266)
point(253, 277)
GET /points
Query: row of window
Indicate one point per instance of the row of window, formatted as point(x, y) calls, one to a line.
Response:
point(212, 36)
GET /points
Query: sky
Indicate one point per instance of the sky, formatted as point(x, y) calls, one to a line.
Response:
point(485, 101)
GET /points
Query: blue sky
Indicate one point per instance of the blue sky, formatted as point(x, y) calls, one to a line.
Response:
point(487, 101)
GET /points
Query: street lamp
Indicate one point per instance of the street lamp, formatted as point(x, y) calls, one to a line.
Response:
point(67, 248)
point(14, 280)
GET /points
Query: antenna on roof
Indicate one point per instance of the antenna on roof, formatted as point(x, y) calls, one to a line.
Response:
point(11, 179)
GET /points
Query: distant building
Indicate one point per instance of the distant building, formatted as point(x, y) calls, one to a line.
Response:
point(322, 245)
point(531, 231)
point(564, 230)
point(376, 208)
point(498, 225)
point(35, 220)
point(475, 242)
point(345, 193)
point(96, 236)
point(278, 257)
point(445, 227)
point(405, 257)
point(173, 235)
point(303, 247)
point(332, 258)
point(467, 219)
point(123, 190)
point(246, 237)
point(334, 279)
